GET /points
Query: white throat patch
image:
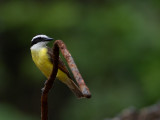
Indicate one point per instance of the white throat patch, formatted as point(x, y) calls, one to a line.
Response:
point(39, 45)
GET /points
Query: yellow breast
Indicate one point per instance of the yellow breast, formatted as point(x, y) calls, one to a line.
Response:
point(41, 59)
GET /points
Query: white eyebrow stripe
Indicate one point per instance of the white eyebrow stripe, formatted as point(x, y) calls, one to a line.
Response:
point(37, 36)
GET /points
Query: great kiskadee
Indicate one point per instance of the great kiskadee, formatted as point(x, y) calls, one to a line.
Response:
point(43, 58)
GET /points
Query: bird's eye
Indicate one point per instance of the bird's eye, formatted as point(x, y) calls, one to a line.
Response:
point(40, 39)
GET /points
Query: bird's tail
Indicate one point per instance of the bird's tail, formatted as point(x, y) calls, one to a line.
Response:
point(74, 88)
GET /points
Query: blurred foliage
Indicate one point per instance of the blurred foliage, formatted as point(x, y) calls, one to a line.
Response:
point(8, 112)
point(115, 44)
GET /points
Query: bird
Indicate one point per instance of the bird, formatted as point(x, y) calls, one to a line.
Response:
point(42, 56)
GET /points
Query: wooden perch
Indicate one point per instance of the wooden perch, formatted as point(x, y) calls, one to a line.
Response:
point(59, 44)
point(73, 68)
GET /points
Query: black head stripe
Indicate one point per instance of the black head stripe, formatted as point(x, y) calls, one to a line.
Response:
point(40, 38)
point(36, 40)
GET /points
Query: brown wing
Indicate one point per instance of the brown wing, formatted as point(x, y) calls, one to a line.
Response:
point(61, 65)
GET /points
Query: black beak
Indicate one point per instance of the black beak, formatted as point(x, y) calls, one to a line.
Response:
point(49, 39)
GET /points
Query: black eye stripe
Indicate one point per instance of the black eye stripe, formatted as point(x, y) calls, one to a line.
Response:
point(36, 40)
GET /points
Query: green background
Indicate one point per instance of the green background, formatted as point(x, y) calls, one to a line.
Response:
point(115, 44)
